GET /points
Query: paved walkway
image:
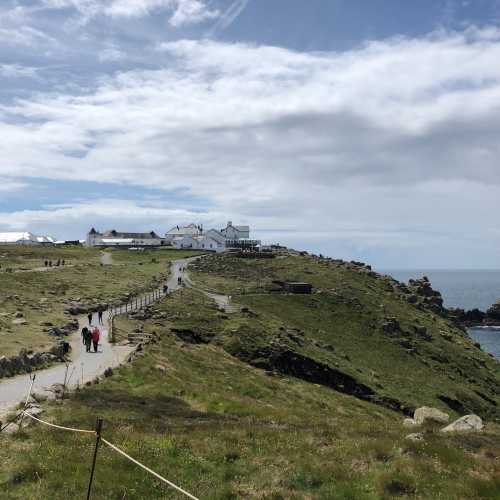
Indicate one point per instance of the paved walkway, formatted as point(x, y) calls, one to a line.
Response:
point(83, 366)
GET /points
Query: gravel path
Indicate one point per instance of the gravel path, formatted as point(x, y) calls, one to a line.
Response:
point(83, 366)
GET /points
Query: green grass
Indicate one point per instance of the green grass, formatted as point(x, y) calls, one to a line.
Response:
point(43, 296)
point(224, 429)
point(340, 325)
point(31, 257)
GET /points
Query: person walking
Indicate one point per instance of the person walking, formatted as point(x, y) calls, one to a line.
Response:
point(99, 315)
point(84, 334)
point(96, 335)
point(87, 339)
point(89, 316)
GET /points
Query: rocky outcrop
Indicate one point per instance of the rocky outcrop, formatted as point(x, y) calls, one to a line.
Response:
point(28, 361)
point(493, 312)
point(468, 423)
point(428, 414)
point(64, 330)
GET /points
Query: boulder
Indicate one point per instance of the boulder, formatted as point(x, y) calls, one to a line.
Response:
point(415, 437)
point(465, 424)
point(409, 422)
point(427, 414)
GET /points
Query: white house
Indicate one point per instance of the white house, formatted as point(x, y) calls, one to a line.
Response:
point(235, 232)
point(24, 238)
point(181, 231)
point(215, 241)
point(114, 238)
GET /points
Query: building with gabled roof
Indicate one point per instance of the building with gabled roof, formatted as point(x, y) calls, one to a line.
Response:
point(235, 232)
point(113, 238)
point(181, 231)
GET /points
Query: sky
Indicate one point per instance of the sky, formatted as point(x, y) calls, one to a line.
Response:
point(360, 129)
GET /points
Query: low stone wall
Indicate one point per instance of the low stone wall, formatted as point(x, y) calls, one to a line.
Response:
point(27, 361)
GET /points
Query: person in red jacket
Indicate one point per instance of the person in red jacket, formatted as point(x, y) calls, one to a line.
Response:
point(96, 335)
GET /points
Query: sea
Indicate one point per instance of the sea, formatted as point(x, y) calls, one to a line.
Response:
point(467, 290)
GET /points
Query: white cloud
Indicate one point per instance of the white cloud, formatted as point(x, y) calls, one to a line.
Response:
point(191, 12)
point(9, 185)
point(17, 71)
point(396, 138)
point(111, 53)
point(230, 15)
point(183, 12)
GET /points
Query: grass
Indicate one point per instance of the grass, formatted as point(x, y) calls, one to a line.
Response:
point(224, 429)
point(341, 326)
point(43, 296)
point(33, 257)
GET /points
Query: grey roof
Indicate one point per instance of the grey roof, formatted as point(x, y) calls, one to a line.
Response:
point(137, 236)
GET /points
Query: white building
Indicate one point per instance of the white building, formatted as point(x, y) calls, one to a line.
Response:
point(181, 231)
point(24, 238)
point(114, 238)
point(212, 240)
point(236, 232)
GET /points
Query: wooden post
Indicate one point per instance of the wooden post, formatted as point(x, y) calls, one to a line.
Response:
point(98, 429)
point(65, 379)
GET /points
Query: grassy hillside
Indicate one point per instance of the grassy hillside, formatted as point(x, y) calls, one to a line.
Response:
point(42, 297)
point(222, 428)
point(356, 333)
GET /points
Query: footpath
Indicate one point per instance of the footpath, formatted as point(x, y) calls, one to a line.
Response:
point(82, 367)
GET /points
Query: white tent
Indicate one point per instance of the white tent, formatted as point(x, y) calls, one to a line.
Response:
point(24, 238)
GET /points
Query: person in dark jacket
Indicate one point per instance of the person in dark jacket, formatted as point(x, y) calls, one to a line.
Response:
point(85, 330)
point(99, 315)
point(89, 316)
point(87, 339)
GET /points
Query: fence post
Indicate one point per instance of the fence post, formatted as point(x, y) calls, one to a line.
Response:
point(98, 428)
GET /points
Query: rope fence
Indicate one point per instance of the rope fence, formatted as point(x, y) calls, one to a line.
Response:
point(99, 438)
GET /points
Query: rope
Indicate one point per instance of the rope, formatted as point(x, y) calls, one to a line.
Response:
point(10, 422)
point(147, 469)
point(85, 431)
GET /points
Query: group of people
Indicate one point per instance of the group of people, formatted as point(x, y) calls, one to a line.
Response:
point(91, 336)
point(59, 262)
point(90, 316)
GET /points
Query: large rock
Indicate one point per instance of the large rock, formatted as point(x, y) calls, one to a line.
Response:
point(465, 424)
point(427, 414)
point(415, 437)
point(494, 311)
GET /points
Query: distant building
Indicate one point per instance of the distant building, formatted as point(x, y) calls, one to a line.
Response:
point(193, 237)
point(113, 238)
point(182, 231)
point(24, 238)
point(235, 232)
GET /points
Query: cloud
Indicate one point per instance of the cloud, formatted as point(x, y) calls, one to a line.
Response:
point(191, 12)
point(397, 138)
point(230, 15)
point(17, 71)
point(9, 185)
point(183, 12)
point(111, 53)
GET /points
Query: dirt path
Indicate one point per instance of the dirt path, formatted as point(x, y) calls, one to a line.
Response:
point(223, 301)
point(106, 259)
point(40, 269)
point(83, 366)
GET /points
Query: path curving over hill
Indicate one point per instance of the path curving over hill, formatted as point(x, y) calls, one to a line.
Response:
point(83, 367)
